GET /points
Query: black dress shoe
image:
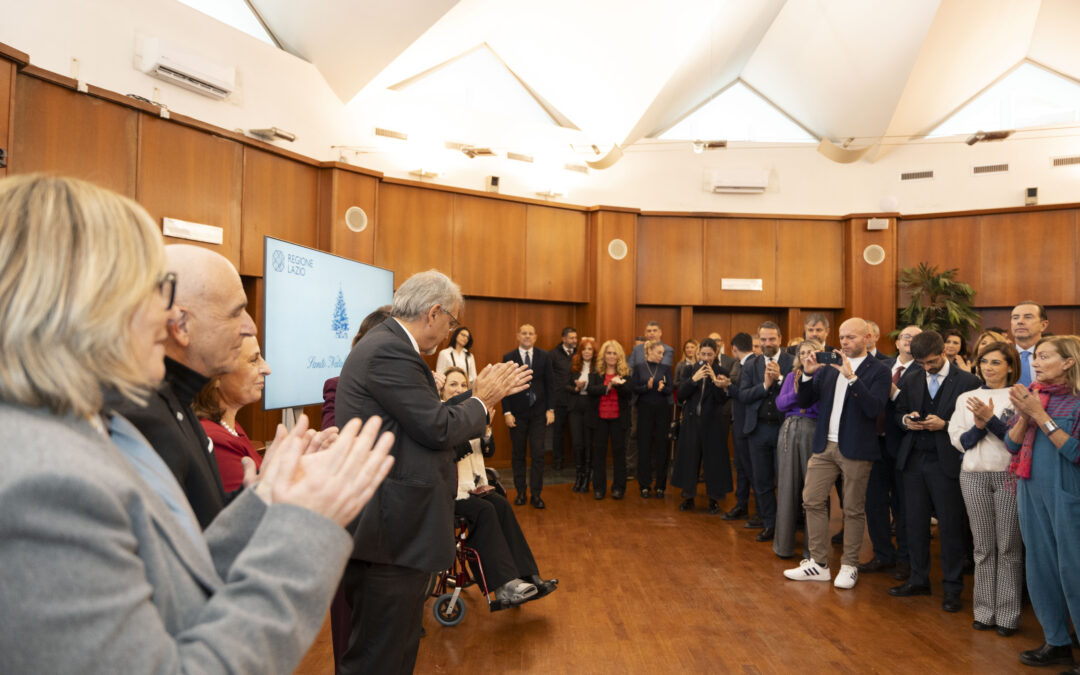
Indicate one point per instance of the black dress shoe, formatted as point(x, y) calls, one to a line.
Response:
point(537, 502)
point(599, 494)
point(1072, 671)
point(903, 571)
point(645, 493)
point(907, 590)
point(951, 602)
point(687, 505)
point(755, 523)
point(979, 625)
point(520, 499)
point(714, 507)
point(659, 493)
point(735, 513)
point(543, 586)
point(875, 565)
point(616, 494)
point(766, 534)
point(1006, 632)
point(1047, 655)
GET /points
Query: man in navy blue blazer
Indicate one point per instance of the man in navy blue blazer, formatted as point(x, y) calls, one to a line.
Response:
point(527, 415)
point(759, 385)
point(850, 398)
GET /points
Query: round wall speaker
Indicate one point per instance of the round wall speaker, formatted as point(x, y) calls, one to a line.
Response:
point(873, 254)
point(617, 249)
point(355, 219)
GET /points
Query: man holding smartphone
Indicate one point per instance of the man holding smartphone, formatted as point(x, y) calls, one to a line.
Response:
point(850, 396)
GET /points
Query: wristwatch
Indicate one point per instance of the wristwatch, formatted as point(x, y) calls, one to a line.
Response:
point(1050, 426)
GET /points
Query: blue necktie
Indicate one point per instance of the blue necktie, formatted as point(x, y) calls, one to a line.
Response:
point(532, 396)
point(934, 386)
point(1025, 368)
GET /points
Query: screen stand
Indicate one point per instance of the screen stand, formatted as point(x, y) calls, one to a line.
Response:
point(289, 416)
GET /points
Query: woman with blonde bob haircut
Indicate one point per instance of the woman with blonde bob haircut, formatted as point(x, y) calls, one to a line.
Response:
point(105, 567)
point(609, 417)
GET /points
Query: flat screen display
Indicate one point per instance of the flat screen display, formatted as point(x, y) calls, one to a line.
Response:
point(313, 303)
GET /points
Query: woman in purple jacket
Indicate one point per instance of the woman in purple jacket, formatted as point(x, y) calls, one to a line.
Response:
point(793, 450)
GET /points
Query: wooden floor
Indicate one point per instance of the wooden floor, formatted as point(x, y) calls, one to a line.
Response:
point(645, 588)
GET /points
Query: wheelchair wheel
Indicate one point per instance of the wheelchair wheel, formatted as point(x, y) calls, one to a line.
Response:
point(449, 618)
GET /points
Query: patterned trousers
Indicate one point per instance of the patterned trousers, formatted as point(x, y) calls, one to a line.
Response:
point(999, 564)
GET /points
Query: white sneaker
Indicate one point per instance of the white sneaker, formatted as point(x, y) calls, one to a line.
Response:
point(846, 577)
point(808, 570)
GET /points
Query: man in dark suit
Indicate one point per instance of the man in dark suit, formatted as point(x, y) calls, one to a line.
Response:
point(875, 335)
point(931, 467)
point(560, 373)
point(850, 397)
point(759, 385)
point(203, 342)
point(816, 328)
point(742, 346)
point(885, 491)
point(528, 413)
point(406, 532)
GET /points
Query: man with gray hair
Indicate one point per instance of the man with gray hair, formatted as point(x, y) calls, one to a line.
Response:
point(406, 532)
point(204, 341)
point(816, 328)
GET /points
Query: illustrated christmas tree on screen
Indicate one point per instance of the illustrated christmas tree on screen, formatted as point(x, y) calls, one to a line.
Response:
point(340, 324)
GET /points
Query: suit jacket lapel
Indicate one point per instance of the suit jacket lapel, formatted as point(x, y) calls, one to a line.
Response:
point(396, 329)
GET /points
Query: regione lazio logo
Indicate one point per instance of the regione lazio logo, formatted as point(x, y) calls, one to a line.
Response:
point(279, 261)
point(340, 322)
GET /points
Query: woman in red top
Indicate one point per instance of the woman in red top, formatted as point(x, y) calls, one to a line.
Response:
point(217, 405)
point(609, 417)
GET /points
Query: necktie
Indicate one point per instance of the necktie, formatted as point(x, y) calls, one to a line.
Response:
point(528, 363)
point(1025, 368)
point(898, 374)
point(934, 386)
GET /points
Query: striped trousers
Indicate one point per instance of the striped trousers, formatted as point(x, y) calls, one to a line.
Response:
point(995, 528)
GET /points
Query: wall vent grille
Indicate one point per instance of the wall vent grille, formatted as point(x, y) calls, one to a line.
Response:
point(1065, 161)
point(982, 170)
point(917, 175)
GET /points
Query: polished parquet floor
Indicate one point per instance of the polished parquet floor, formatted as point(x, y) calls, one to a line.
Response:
point(645, 588)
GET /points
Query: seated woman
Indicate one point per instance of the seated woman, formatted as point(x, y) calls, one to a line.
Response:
point(105, 567)
point(217, 405)
point(509, 566)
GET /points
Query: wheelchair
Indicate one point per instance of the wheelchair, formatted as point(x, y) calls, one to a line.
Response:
point(466, 570)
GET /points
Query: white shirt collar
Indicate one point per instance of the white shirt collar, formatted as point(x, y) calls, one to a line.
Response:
point(742, 361)
point(897, 365)
point(942, 374)
point(523, 352)
point(411, 338)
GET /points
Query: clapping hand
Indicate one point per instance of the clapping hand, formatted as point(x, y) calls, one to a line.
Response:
point(982, 412)
point(1024, 402)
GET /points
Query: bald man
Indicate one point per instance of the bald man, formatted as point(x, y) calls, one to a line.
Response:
point(204, 341)
point(850, 396)
point(528, 413)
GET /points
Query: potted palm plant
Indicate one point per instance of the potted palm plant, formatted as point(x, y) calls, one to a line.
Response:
point(936, 301)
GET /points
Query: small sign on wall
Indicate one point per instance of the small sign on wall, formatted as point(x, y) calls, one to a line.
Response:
point(740, 285)
point(210, 234)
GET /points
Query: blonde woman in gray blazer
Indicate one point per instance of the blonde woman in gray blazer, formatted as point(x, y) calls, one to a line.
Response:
point(105, 569)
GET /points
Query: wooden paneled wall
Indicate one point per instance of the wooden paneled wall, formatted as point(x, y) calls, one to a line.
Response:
point(521, 260)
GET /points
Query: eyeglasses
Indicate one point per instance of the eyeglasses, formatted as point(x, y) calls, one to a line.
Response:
point(454, 323)
point(905, 336)
point(167, 288)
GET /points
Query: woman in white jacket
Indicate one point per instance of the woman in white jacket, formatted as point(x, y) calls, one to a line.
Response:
point(458, 355)
point(977, 429)
point(509, 566)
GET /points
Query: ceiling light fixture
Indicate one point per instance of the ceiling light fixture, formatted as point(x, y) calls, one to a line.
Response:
point(979, 136)
point(424, 173)
point(702, 146)
point(273, 133)
point(549, 194)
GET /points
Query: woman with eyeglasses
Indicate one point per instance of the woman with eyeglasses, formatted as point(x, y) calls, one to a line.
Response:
point(105, 567)
point(1045, 442)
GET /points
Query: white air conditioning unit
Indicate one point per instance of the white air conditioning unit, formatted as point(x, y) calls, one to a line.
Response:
point(172, 63)
point(738, 181)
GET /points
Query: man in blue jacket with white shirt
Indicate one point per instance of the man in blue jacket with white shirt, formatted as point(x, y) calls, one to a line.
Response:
point(850, 397)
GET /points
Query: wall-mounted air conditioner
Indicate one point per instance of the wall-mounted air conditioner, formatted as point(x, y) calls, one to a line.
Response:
point(172, 63)
point(738, 181)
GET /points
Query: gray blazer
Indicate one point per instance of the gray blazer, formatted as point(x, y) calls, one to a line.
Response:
point(99, 576)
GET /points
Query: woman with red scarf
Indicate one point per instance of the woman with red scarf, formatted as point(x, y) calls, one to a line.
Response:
point(1046, 463)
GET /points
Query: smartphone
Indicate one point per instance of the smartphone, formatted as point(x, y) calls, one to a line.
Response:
point(915, 417)
point(826, 358)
